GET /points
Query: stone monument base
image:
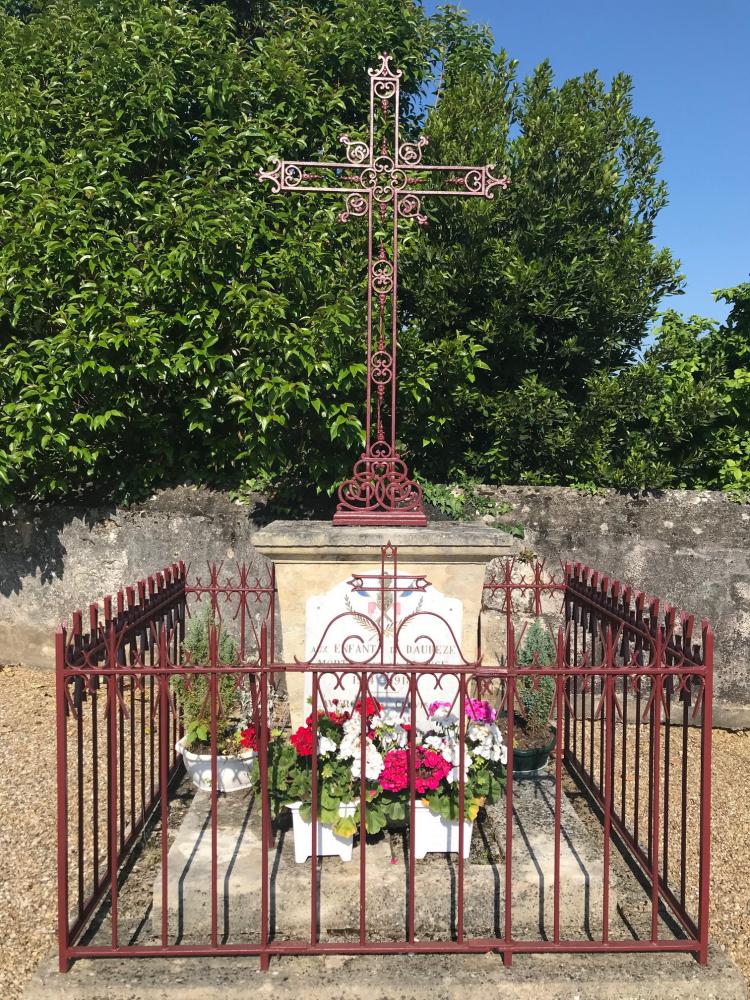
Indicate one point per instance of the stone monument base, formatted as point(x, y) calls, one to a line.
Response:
point(239, 867)
point(665, 976)
point(313, 558)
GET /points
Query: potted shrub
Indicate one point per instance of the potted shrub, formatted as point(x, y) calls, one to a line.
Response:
point(338, 779)
point(387, 768)
point(437, 807)
point(533, 736)
point(236, 740)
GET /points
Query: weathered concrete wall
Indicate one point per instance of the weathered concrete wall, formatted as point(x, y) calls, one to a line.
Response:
point(690, 548)
point(58, 559)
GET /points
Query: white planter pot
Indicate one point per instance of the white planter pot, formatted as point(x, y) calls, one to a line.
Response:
point(329, 844)
point(435, 835)
point(232, 773)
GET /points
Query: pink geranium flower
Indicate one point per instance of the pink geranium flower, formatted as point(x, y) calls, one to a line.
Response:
point(479, 710)
point(476, 709)
point(431, 768)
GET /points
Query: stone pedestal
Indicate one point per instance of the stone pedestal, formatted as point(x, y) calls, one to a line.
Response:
point(313, 558)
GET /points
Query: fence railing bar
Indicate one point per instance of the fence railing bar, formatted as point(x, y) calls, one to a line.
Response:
point(470, 669)
point(213, 696)
point(119, 686)
point(96, 896)
point(412, 802)
point(314, 815)
point(635, 852)
point(461, 805)
point(473, 946)
point(704, 860)
point(132, 753)
point(655, 773)
point(163, 781)
point(81, 800)
point(128, 624)
point(63, 938)
point(511, 700)
point(265, 804)
point(112, 706)
point(559, 681)
point(624, 752)
point(667, 693)
point(635, 629)
point(363, 695)
point(608, 723)
point(684, 801)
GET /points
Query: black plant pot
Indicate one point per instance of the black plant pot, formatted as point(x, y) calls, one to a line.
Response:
point(527, 763)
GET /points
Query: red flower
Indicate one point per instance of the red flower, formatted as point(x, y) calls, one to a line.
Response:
point(432, 767)
point(337, 718)
point(372, 707)
point(250, 738)
point(395, 775)
point(302, 741)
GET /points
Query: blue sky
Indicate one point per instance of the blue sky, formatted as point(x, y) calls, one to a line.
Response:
point(690, 64)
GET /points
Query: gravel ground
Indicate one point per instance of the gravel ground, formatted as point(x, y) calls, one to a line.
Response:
point(27, 831)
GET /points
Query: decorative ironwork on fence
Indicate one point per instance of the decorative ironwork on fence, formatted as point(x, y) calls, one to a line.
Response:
point(631, 695)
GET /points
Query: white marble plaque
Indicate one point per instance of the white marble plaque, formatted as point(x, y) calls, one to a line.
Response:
point(344, 626)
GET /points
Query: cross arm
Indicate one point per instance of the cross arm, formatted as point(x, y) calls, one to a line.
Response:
point(423, 181)
point(477, 182)
point(313, 175)
point(327, 177)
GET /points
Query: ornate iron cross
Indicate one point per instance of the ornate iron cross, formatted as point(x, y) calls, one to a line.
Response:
point(383, 180)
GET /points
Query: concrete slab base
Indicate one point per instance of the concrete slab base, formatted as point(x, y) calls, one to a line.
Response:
point(407, 977)
point(436, 906)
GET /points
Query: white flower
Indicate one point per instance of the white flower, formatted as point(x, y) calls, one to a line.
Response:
point(443, 717)
point(326, 745)
point(390, 730)
point(455, 772)
point(388, 717)
point(488, 742)
point(390, 739)
point(353, 726)
point(476, 731)
point(373, 763)
point(349, 746)
point(350, 749)
point(435, 742)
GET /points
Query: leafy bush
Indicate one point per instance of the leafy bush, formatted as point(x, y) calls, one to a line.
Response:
point(537, 694)
point(165, 317)
point(462, 501)
point(194, 692)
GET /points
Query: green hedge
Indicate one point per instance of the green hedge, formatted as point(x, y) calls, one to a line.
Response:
point(164, 317)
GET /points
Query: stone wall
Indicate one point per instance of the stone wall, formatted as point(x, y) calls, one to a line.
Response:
point(58, 559)
point(690, 548)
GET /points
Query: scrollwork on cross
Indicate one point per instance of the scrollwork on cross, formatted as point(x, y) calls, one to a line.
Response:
point(382, 176)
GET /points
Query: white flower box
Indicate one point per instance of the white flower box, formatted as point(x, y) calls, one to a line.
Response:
point(329, 844)
point(232, 773)
point(433, 834)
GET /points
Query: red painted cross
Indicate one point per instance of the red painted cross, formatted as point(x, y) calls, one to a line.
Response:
point(389, 180)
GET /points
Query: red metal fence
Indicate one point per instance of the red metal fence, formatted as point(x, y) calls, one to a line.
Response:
point(630, 700)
